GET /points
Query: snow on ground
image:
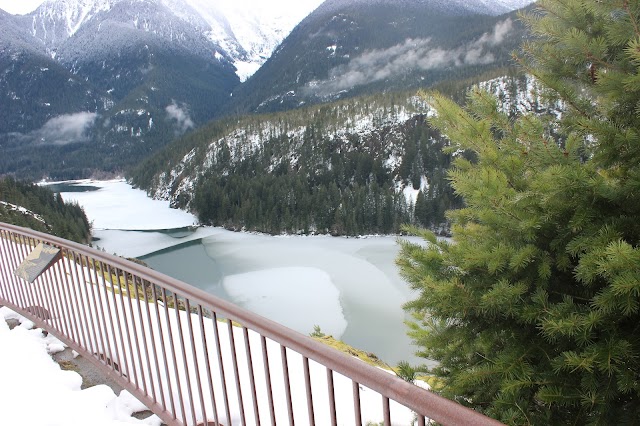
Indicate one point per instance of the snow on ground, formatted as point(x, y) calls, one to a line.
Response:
point(35, 391)
point(13, 207)
point(119, 206)
point(307, 293)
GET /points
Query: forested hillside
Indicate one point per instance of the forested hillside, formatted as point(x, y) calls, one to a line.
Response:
point(352, 167)
point(32, 206)
point(357, 166)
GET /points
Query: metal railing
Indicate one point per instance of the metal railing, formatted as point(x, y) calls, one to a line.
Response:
point(195, 359)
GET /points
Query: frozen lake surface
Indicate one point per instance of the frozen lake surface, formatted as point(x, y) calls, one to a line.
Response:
point(350, 287)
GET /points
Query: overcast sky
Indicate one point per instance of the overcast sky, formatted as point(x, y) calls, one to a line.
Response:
point(19, 6)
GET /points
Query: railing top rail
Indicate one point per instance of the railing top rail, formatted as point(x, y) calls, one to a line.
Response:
point(427, 403)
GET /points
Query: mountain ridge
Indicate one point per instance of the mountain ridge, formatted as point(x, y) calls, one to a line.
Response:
point(54, 22)
point(343, 49)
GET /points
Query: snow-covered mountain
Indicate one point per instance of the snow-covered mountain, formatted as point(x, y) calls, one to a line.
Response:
point(351, 47)
point(244, 32)
point(250, 30)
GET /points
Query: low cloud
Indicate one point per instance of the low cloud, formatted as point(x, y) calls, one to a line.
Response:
point(179, 114)
point(66, 129)
point(412, 55)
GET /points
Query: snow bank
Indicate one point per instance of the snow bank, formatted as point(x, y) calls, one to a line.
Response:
point(36, 391)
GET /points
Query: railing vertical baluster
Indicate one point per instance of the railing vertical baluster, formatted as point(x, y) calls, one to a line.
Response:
point(134, 326)
point(91, 301)
point(37, 292)
point(52, 308)
point(185, 361)
point(89, 294)
point(357, 409)
point(18, 287)
point(78, 296)
point(8, 254)
point(421, 421)
point(3, 276)
point(207, 364)
point(127, 350)
point(120, 316)
point(136, 280)
point(386, 411)
point(21, 291)
point(173, 350)
point(102, 323)
point(164, 352)
point(156, 361)
point(223, 379)
point(236, 371)
point(307, 383)
point(24, 297)
point(7, 260)
point(196, 365)
point(77, 305)
point(58, 268)
point(267, 374)
point(114, 318)
point(287, 383)
point(332, 398)
point(75, 332)
point(252, 378)
point(27, 288)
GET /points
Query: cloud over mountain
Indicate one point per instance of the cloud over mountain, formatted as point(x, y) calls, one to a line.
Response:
point(66, 129)
point(179, 114)
point(412, 55)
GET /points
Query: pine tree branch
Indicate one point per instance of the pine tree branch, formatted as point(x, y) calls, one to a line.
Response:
point(632, 18)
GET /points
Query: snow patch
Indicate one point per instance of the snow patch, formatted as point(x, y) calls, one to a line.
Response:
point(30, 378)
point(280, 293)
point(22, 210)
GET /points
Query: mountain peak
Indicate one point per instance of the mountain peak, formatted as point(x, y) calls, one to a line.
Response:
point(245, 32)
point(72, 13)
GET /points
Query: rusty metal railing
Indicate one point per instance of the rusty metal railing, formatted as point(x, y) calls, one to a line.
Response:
point(194, 359)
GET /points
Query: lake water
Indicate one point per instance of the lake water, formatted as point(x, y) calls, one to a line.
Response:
point(350, 287)
point(370, 291)
point(66, 187)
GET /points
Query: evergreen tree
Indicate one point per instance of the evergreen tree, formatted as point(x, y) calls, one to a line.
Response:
point(534, 311)
point(32, 206)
